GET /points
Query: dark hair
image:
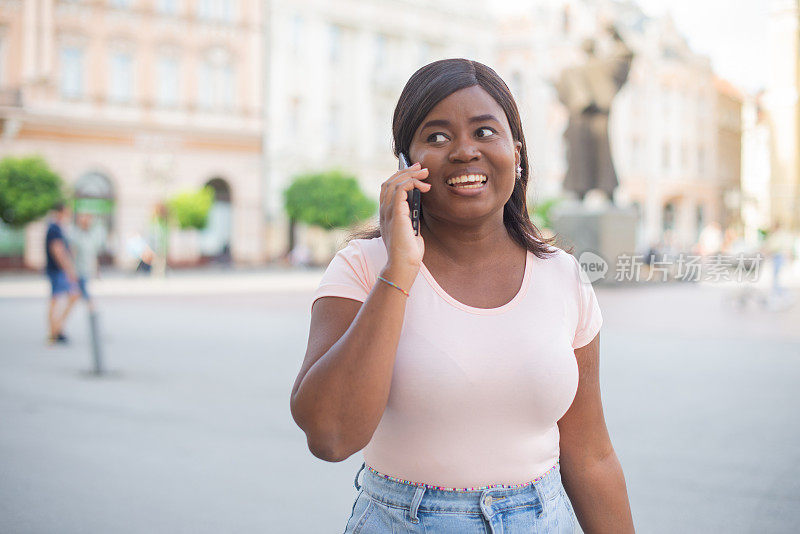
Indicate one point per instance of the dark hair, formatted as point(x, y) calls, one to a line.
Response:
point(433, 83)
point(59, 206)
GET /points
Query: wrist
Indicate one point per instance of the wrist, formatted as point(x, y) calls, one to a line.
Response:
point(402, 275)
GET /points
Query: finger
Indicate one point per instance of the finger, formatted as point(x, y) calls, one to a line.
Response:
point(420, 174)
point(410, 184)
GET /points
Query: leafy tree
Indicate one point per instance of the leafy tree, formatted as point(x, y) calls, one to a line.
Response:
point(28, 189)
point(330, 199)
point(190, 208)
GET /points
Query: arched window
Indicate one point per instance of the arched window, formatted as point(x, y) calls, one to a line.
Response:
point(215, 239)
point(94, 194)
point(669, 217)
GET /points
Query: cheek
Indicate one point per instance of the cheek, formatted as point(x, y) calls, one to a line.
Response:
point(424, 156)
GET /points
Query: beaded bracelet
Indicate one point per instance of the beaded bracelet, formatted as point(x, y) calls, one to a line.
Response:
point(394, 285)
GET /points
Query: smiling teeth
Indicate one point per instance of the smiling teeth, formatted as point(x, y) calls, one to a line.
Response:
point(478, 178)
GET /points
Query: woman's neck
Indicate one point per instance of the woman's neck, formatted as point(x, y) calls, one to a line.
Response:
point(466, 246)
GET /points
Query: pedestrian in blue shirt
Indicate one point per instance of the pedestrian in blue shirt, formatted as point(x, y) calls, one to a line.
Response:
point(61, 273)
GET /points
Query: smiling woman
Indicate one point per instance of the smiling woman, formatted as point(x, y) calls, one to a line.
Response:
point(422, 99)
point(472, 389)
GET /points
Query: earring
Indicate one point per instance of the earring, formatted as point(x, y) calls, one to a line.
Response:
point(519, 172)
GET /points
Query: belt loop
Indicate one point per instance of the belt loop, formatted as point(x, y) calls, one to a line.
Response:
point(355, 483)
point(536, 487)
point(420, 491)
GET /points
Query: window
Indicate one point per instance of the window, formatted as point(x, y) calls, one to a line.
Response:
point(297, 33)
point(380, 52)
point(168, 72)
point(218, 10)
point(72, 72)
point(701, 160)
point(334, 127)
point(668, 217)
point(167, 7)
point(294, 117)
point(684, 157)
point(700, 219)
point(205, 9)
point(121, 87)
point(2, 57)
point(335, 37)
point(121, 4)
point(217, 81)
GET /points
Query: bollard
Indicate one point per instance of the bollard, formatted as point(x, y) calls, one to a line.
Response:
point(97, 355)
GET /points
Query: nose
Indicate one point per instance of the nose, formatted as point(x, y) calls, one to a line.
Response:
point(464, 151)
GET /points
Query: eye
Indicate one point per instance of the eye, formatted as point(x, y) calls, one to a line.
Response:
point(433, 135)
point(491, 131)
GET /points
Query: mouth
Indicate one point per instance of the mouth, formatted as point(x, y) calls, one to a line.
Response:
point(468, 181)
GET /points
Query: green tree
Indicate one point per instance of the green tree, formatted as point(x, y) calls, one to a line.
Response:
point(28, 189)
point(189, 209)
point(330, 199)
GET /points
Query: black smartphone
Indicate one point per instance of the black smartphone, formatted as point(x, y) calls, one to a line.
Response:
point(414, 198)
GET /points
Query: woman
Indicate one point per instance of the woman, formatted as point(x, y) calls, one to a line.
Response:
point(453, 358)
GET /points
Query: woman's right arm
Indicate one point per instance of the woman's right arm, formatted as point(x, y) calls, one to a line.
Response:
point(343, 385)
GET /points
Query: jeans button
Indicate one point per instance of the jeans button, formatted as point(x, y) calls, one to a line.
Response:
point(488, 500)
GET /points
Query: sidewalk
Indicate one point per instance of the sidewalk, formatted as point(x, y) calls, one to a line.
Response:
point(205, 282)
point(275, 279)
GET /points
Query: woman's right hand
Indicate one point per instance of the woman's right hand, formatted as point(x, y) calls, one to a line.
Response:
point(405, 249)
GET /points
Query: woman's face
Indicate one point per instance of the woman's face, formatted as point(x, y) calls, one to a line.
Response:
point(466, 134)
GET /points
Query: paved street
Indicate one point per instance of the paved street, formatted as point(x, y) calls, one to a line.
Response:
point(190, 431)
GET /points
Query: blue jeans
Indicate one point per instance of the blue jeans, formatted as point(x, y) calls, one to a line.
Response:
point(390, 506)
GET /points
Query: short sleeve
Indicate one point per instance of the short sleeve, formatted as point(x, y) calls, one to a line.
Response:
point(54, 232)
point(347, 276)
point(589, 316)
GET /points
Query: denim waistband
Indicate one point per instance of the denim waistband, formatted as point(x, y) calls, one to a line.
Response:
point(415, 496)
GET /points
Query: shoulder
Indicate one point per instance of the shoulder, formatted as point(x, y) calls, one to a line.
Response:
point(370, 251)
point(54, 231)
point(561, 261)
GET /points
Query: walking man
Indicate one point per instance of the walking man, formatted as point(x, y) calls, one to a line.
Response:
point(61, 273)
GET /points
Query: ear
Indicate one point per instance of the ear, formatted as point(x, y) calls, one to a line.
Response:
point(517, 152)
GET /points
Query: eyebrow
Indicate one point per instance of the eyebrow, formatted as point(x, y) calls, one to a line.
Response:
point(443, 122)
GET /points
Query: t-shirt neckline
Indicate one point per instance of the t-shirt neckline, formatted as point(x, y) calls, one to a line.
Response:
point(526, 278)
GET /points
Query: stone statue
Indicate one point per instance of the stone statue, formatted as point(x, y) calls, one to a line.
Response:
point(587, 91)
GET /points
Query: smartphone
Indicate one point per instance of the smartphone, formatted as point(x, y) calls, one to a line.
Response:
point(414, 198)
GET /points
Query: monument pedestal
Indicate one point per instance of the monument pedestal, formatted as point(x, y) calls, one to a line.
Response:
point(607, 231)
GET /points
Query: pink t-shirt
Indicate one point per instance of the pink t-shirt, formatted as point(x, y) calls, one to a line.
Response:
point(476, 393)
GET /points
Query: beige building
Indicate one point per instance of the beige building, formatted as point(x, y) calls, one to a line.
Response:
point(756, 170)
point(782, 102)
point(663, 126)
point(131, 101)
point(728, 110)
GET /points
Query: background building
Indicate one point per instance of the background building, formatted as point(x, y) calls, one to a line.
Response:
point(756, 171)
point(133, 100)
point(782, 104)
point(335, 72)
point(728, 111)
